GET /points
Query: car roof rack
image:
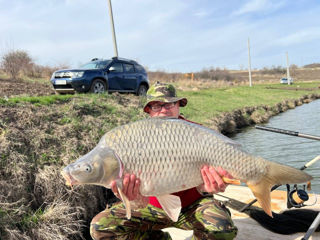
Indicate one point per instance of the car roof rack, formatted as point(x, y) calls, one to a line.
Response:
point(124, 59)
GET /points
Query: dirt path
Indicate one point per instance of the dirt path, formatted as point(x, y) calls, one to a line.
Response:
point(10, 88)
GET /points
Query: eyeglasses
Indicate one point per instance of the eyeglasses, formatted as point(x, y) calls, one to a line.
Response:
point(157, 107)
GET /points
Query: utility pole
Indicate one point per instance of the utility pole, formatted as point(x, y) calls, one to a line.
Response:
point(249, 63)
point(113, 31)
point(288, 72)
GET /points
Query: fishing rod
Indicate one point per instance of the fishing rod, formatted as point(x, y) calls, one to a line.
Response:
point(312, 228)
point(300, 197)
point(288, 132)
point(292, 133)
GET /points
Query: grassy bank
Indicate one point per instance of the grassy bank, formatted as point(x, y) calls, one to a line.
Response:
point(39, 135)
point(208, 103)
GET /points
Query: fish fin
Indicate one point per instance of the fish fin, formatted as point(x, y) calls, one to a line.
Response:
point(231, 181)
point(262, 192)
point(171, 204)
point(277, 174)
point(216, 133)
point(126, 203)
point(282, 174)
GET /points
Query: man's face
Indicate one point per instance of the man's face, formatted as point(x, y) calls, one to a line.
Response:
point(161, 109)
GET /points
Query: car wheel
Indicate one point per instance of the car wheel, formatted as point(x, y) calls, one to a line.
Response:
point(142, 90)
point(98, 86)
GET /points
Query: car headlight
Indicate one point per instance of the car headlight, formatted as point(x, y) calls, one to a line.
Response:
point(77, 74)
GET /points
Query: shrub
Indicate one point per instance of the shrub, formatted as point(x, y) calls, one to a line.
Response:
point(18, 62)
point(214, 74)
point(274, 70)
point(15, 62)
point(38, 71)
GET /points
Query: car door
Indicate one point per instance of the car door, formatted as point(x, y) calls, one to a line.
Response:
point(130, 77)
point(115, 74)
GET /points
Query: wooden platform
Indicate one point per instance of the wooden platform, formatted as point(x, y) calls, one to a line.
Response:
point(249, 228)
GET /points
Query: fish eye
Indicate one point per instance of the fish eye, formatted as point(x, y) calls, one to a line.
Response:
point(88, 168)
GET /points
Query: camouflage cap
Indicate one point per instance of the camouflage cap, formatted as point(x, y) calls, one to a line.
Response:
point(163, 92)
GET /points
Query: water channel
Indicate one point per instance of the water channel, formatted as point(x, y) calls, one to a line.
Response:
point(290, 150)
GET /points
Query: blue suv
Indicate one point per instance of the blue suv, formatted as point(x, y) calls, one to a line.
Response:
point(98, 76)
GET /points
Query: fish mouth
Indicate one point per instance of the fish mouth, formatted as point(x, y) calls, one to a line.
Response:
point(70, 181)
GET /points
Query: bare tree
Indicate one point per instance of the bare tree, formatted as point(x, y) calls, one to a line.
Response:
point(215, 74)
point(274, 70)
point(293, 69)
point(15, 62)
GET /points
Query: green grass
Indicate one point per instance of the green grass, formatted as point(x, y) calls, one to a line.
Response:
point(208, 103)
point(52, 99)
point(31, 219)
point(202, 105)
point(41, 100)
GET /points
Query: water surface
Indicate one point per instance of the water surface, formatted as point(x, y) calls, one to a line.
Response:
point(290, 150)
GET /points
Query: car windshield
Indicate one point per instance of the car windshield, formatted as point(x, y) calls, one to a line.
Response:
point(95, 64)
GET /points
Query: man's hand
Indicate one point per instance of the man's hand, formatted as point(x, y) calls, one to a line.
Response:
point(130, 187)
point(212, 179)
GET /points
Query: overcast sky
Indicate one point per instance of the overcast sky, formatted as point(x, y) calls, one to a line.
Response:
point(170, 35)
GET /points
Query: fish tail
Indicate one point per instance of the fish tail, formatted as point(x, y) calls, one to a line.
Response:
point(282, 174)
point(277, 174)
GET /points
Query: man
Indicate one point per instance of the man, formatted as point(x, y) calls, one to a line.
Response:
point(202, 214)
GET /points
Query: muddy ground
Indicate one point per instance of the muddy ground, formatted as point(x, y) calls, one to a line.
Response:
point(10, 88)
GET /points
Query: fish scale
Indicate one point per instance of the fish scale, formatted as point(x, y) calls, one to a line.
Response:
point(194, 144)
point(167, 155)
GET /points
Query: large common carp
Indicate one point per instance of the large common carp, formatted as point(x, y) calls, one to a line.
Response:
point(167, 155)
